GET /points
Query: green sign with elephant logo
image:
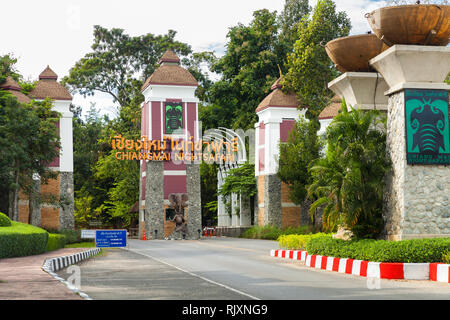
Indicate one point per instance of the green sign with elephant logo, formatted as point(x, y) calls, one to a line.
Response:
point(173, 117)
point(427, 127)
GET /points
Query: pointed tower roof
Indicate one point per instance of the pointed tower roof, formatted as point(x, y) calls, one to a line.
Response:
point(169, 56)
point(48, 74)
point(170, 73)
point(277, 98)
point(48, 87)
point(332, 109)
point(13, 88)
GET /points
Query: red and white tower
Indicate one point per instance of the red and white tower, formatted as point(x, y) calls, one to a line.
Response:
point(277, 114)
point(170, 110)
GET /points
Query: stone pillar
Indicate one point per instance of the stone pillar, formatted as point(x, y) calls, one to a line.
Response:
point(235, 210)
point(245, 211)
point(35, 203)
point(67, 211)
point(194, 209)
point(416, 197)
point(223, 219)
point(154, 200)
point(272, 200)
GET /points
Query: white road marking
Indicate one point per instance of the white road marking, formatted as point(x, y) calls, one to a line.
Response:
point(196, 275)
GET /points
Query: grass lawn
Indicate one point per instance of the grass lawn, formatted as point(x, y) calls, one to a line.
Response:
point(81, 245)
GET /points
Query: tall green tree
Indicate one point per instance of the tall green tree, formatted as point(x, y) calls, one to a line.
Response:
point(119, 63)
point(309, 68)
point(29, 140)
point(348, 182)
point(254, 57)
point(296, 155)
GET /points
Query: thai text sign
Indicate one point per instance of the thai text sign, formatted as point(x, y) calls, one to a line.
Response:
point(427, 126)
point(175, 149)
point(87, 234)
point(110, 238)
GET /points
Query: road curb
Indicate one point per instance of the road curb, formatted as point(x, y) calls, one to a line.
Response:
point(440, 272)
point(52, 265)
point(58, 263)
point(381, 270)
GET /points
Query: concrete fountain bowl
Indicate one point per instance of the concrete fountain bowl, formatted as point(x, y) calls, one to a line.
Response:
point(417, 24)
point(352, 53)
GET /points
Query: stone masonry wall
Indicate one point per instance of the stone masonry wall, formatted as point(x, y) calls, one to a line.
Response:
point(154, 200)
point(272, 200)
point(67, 210)
point(416, 198)
point(194, 209)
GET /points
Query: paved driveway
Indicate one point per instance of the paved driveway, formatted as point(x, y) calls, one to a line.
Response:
point(229, 268)
point(22, 278)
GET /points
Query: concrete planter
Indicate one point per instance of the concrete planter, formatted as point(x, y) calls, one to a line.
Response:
point(354, 52)
point(423, 24)
point(410, 66)
point(363, 90)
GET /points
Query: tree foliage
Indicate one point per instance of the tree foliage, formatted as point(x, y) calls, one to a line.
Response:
point(29, 140)
point(296, 155)
point(240, 180)
point(254, 57)
point(348, 182)
point(309, 68)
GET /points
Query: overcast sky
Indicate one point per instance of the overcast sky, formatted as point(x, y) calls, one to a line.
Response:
point(59, 32)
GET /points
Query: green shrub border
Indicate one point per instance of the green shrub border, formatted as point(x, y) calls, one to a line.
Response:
point(273, 233)
point(22, 239)
point(299, 241)
point(56, 241)
point(4, 220)
point(406, 251)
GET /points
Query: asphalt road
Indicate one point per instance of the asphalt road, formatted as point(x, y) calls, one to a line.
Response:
point(229, 268)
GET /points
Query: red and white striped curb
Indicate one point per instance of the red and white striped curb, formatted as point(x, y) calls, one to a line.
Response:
point(289, 254)
point(380, 270)
point(440, 272)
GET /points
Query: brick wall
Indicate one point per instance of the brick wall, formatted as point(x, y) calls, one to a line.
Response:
point(49, 217)
point(290, 217)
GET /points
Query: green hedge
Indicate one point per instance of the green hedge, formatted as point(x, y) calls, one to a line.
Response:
point(273, 233)
point(56, 241)
point(22, 240)
point(4, 220)
point(297, 241)
point(72, 236)
point(412, 251)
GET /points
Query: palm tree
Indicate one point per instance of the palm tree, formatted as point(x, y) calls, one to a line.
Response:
point(348, 181)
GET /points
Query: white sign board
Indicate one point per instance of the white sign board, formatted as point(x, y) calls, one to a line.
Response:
point(88, 234)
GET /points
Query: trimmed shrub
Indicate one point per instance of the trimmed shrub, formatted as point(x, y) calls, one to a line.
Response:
point(446, 257)
point(412, 251)
point(298, 242)
point(4, 220)
point(22, 239)
point(273, 233)
point(72, 236)
point(56, 241)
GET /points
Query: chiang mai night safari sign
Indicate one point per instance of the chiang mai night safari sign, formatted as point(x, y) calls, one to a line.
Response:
point(170, 149)
point(427, 127)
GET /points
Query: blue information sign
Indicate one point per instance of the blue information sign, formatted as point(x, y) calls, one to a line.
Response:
point(110, 238)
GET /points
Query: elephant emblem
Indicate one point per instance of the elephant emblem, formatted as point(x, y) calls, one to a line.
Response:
point(174, 117)
point(427, 123)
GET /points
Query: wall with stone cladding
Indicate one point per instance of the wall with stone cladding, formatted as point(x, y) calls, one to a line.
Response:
point(416, 198)
point(272, 200)
point(154, 200)
point(67, 211)
point(194, 209)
